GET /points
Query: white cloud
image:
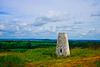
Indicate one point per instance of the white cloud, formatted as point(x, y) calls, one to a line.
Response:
point(68, 29)
point(11, 25)
point(24, 18)
point(24, 24)
point(84, 34)
point(65, 26)
point(16, 20)
point(51, 16)
point(17, 28)
point(2, 27)
point(79, 21)
point(96, 13)
point(92, 30)
point(1, 33)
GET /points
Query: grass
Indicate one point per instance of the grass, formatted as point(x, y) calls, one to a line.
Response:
point(10, 60)
point(47, 57)
point(97, 63)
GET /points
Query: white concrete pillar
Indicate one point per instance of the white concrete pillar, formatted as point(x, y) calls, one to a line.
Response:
point(62, 48)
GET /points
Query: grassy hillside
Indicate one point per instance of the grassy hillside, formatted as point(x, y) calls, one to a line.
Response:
point(41, 53)
point(43, 57)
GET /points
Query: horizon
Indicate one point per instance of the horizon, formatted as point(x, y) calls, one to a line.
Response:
point(44, 19)
point(41, 39)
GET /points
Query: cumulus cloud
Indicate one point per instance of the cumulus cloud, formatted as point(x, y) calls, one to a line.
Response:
point(65, 26)
point(23, 24)
point(68, 29)
point(17, 28)
point(10, 26)
point(79, 22)
point(50, 29)
point(39, 21)
point(95, 14)
point(51, 16)
point(2, 27)
point(84, 34)
point(1, 33)
point(39, 31)
point(91, 32)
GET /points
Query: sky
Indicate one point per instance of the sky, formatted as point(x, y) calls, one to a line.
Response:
point(44, 19)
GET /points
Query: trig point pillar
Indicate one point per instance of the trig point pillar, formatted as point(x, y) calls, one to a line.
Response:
point(62, 48)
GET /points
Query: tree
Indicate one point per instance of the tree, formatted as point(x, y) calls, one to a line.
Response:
point(0, 45)
point(28, 44)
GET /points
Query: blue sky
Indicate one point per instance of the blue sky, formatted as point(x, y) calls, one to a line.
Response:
point(46, 18)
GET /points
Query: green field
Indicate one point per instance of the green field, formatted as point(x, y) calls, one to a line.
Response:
point(41, 53)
